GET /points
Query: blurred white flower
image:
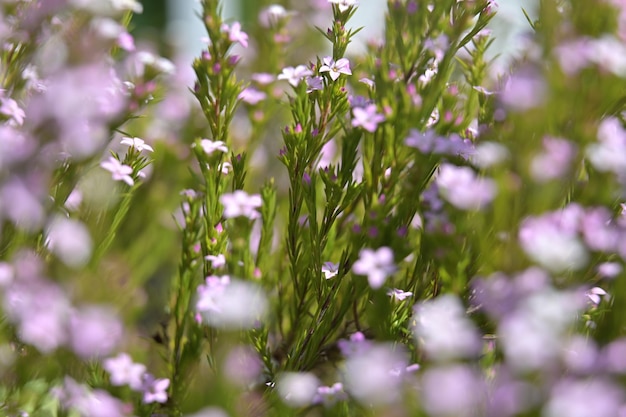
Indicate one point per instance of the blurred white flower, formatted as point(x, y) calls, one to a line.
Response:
point(443, 330)
point(69, 240)
point(297, 389)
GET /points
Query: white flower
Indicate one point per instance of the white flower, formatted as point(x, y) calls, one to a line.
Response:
point(136, 143)
point(240, 203)
point(295, 75)
point(217, 261)
point(335, 69)
point(377, 265)
point(330, 269)
point(210, 146)
point(120, 172)
point(231, 304)
point(344, 4)
point(297, 388)
point(127, 5)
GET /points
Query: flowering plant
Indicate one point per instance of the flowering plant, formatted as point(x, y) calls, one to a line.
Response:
point(275, 230)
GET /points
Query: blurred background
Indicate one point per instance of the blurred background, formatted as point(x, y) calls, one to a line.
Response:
point(173, 24)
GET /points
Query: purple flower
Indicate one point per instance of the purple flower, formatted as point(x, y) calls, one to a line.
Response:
point(524, 90)
point(595, 295)
point(593, 397)
point(463, 189)
point(554, 161)
point(94, 332)
point(242, 365)
point(376, 264)
point(241, 203)
point(330, 395)
point(119, 171)
point(399, 295)
point(235, 34)
point(295, 75)
point(123, 371)
point(357, 343)
point(263, 78)
point(454, 390)
point(155, 390)
point(335, 69)
point(370, 374)
point(367, 118)
point(252, 96)
point(330, 269)
point(314, 84)
point(271, 15)
point(10, 108)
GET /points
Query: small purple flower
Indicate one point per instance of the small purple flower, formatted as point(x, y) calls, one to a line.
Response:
point(235, 34)
point(10, 108)
point(367, 118)
point(595, 295)
point(155, 390)
point(335, 69)
point(376, 264)
point(314, 84)
point(330, 269)
point(356, 344)
point(252, 96)
point(399, 295)
point(463, 188)
point(330, 395)
point(554, 161)
point(241, 203)
point(123, 371)
point(119, 171)
point(524, 90)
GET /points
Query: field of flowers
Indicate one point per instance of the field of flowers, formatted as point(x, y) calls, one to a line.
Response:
point(286, 229)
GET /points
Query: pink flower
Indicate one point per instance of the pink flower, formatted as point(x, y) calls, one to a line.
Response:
point(10, 108)
point(123, 371)
point(235, 34)
point(252, 96)
point(119, 171)
point(240, 203)
point(335, 69)
point(367, 118)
